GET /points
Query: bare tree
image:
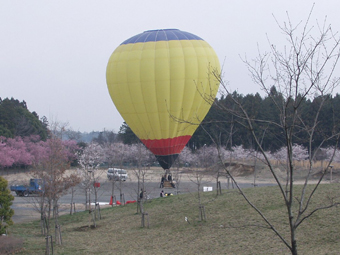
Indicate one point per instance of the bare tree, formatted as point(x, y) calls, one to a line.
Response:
point(52, 171)
point(186, 159)
point(121, 153)
point(141, 156)
point(208, 159)
point(110, 152)
point(200, 174)
point(303, 69)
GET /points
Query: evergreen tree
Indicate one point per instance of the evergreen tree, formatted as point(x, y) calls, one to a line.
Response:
point(126, 135)
point(6, 212)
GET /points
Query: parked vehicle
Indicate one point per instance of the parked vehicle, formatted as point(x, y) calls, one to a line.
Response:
point(34, 187)
point(117, 174)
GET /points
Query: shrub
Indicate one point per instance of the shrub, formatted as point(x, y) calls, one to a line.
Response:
point(6, 212)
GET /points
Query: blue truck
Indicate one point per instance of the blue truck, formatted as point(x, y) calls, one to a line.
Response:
point(34, 187)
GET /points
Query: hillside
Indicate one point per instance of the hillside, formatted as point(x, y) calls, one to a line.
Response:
point(17, 120)
point(231, 227)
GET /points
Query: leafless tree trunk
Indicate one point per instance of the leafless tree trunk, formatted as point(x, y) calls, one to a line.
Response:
point(140, 156)
point(255, 158)
point(197, 178)
point(72, 209)
point(176, 175)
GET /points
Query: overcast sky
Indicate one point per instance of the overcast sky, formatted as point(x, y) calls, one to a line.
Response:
point(54, 54)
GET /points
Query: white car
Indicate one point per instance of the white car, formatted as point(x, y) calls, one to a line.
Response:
point(117, 174)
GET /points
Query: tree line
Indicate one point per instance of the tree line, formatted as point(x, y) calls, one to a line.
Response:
point(230, 129)
point(16, 120)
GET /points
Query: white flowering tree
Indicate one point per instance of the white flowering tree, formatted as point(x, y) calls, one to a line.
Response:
point(111, 152)
point(89, 160)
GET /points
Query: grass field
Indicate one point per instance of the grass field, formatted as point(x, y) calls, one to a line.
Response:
point(231, 227)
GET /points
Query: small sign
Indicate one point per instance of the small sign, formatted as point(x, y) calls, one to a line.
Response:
point(205, 189)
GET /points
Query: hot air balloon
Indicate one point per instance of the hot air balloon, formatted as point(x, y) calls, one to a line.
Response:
point(156, 80)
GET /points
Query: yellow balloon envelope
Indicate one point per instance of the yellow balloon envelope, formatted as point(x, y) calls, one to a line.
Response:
point(156, 80)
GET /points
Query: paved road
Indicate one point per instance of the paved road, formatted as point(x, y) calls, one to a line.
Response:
point(24, 209)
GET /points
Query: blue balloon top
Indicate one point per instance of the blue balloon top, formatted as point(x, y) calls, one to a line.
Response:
point(161, 35)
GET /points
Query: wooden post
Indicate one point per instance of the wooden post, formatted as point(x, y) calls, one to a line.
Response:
point(49, 245)
point(114, 200)
point(43, 223)
point(58, 239)
point(122, 199)
point(219, 190)
point(143, 219)
point(73, 208)
point(139, 206)
point(89, 218)
point(202, 212)
point(94, 221)
point(97, 208)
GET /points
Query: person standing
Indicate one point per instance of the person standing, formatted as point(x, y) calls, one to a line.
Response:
point(141, 194)
point(162, 182)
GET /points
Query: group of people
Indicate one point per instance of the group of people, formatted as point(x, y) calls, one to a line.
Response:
point(166, 178)
point(162, 194)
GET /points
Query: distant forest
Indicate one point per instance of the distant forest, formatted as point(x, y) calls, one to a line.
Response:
point(17, 120)
point(230, 130)
point(225, 127)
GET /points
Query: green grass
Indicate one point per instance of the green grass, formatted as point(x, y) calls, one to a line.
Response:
point(232, 227)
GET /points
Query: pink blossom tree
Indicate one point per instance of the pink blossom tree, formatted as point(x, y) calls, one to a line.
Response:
point(21, 151)
point(6, 158)
point(13, 152)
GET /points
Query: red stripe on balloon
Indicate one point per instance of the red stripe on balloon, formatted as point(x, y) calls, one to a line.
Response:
point(167, 146)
